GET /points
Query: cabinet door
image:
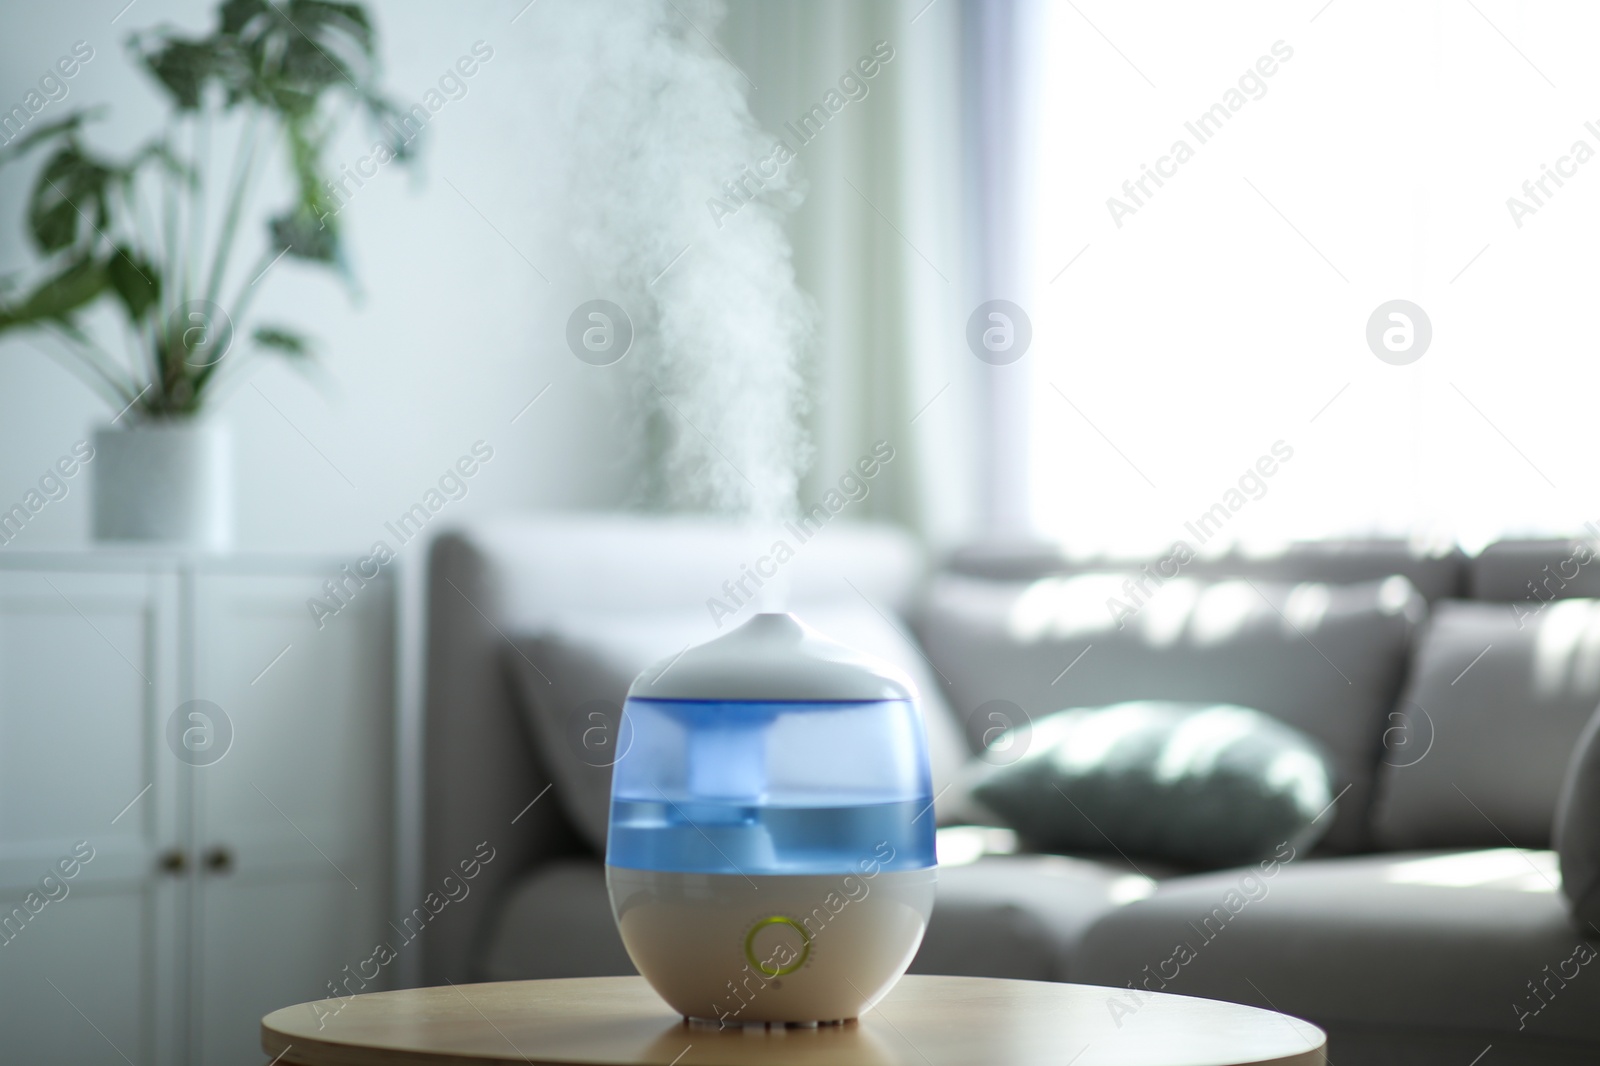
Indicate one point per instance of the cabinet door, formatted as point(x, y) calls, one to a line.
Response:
point(88, 963)
point(293, 825)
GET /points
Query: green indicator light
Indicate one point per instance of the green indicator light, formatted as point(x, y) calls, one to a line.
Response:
point(782, 971)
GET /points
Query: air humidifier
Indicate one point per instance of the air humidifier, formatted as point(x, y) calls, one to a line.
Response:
point(770, 855)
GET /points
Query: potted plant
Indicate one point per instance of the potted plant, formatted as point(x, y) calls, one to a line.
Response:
point(153, 236)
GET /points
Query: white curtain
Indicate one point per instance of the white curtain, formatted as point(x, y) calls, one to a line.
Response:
point(1001, 61)
point(880, 242)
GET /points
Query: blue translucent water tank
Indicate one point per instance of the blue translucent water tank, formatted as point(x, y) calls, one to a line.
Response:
point(772, 750)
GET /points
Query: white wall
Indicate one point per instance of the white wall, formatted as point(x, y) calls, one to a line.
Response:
point(455, 333)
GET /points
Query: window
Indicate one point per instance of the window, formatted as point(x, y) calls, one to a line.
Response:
point(1225, 194)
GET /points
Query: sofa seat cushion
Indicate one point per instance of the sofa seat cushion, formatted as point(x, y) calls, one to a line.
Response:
point(1475, 940)
point(556, 922)
point(1023, 916)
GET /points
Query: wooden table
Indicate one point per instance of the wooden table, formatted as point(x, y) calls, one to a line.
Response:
point(925, 1021)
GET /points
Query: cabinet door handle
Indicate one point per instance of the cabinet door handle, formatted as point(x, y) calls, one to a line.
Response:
point(173, 861)
point(219, 860)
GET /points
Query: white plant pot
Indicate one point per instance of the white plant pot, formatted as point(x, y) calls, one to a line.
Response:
point(164, 482)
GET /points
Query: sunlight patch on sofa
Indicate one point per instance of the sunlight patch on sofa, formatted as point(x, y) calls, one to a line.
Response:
point(1508, 869)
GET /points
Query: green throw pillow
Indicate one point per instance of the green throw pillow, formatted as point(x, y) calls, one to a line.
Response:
point(1187, 783)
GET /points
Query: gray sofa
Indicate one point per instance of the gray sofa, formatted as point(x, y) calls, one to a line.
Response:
point(1428, 927)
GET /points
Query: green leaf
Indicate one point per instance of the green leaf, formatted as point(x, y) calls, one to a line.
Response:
point(236, 16)
point(305, 235)
point(283, 340)
point(336, 42)
point(297, 49)
point(308, 228)
point(81, 282)
point(388, 117)
point(40, 134)
point(183, 67)
point(328, 18)
point(135, 281)
point(71, 188)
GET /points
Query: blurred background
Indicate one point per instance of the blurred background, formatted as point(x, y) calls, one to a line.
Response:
point(1176, 347)
point(1086, 279)
point(465, 272)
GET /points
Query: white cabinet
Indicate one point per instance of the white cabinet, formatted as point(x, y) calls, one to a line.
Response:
point(87, 663)
point(241, 854)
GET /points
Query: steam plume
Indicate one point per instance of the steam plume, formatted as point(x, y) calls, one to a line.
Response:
point(656, 122)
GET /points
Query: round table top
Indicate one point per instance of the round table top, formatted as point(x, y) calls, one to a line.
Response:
point(924, 1021)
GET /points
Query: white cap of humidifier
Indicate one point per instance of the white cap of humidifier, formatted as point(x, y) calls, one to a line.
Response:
point(773, 658)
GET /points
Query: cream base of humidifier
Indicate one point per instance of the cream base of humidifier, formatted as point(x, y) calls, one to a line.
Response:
point(801, 948)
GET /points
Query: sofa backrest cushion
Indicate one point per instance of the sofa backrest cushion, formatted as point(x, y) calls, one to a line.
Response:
point(572, 680)
point(1436, 572)
point(1492, 709)
point(1577, 830)
point(552, 566)
point(1531, 573)
point(1326, 659)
